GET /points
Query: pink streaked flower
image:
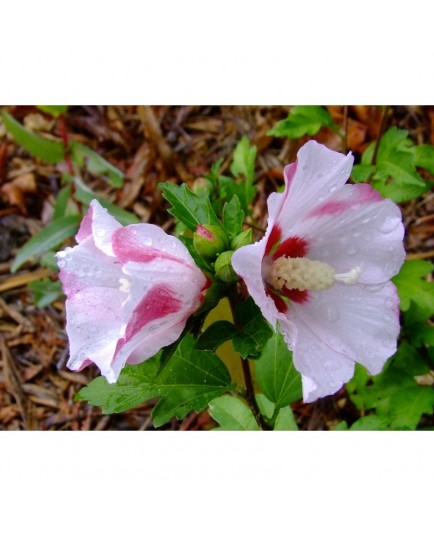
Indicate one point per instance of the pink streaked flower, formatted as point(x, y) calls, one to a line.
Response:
point(322, 271)
point(130, 291)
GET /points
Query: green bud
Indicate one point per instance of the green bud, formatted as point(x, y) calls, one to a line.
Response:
point(202, 185)
point(243, 239)
point(209, 241)
point(223, 267)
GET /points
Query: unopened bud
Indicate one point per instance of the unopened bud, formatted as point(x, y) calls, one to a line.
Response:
point(202, 185)
point(223, 267)
point(243, 239)
point(209, 241)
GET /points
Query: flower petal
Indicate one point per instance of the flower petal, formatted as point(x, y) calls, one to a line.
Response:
point(358, 321)
point(319, 173)
point(86, 266)
point(103, 227)
point(364, 232)
point(94, 325)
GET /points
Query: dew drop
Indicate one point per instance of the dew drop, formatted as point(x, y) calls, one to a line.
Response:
point(375, 288)
point(305, 167)
point(333, 385)
point(366, 219)
point(367, 237)
point(355, 233)
point(389, 225)
point(61, 263)
point(351, 249)
point(389, 269)
point(332, 314)
point(332, 365)
point(389, 303)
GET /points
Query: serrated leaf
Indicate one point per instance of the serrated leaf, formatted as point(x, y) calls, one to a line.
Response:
point(362, 172)
point(217, 333)
point(187, 383)
point(412, 287)
point(284, 420)
point(243, 165)
point(233, 217)
point(371, 423)
point(253, 330)
point(96, 164)
point(276, 374)
point(50, 237)
point(231, 413)
point(302, 120)
point(47, 150)
point(394, 174)
point(54, 111)
point(188, 207)
point(424, 157)
point(85, 195)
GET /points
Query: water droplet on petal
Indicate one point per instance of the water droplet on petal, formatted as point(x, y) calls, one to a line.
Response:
point(374, 288)
point(367, 237)
point(305, 167)
point(100, 232)
point(389, 225)
point(366, 219)
point(332, 365)
point(332, 314)
point(351, 249)
point(389, 303)
point(61, 263)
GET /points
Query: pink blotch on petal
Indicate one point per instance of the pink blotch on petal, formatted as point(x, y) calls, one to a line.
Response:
point(128, 248)
point(85, 227)
point(364, 194)
point(298, 296)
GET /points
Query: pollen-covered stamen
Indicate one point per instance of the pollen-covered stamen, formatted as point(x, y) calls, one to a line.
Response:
point(301, 273)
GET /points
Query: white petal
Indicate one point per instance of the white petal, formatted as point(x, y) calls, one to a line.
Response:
point(319, 173)
point(94, 325)
point(356, 229)
point(103, 227)
point(360, 322)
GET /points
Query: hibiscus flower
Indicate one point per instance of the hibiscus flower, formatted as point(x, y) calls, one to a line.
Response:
point(130, 291)
point(322, 271)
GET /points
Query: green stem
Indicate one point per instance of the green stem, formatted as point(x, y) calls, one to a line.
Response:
point(380, 134)
point(248, 380)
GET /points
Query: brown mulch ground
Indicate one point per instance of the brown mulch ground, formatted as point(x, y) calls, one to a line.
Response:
point(150, 144)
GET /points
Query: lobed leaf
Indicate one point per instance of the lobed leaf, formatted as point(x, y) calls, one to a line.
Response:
point(302, 120)
point(231, 413)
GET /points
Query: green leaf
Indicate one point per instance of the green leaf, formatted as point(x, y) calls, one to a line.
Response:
point(233, 217)
point(232, 414)
point(276, 374)
point(61, 202)
point(45, 291)
point(96, 164)
point(253, 332)
point(371, 423)
point(218, 333)
point(190, 380)
point(243, 164)
point(200, 262)
point(413, 288)
point(47, 150)
point(50, 237)
point(302, 120)
point(85, 195)
point(394, 174)
point(362, 172)
point(188, 207)
point(54, 111)
point(424, 157)
point(283, 421)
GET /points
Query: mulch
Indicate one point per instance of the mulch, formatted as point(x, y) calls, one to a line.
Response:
point(150, 145)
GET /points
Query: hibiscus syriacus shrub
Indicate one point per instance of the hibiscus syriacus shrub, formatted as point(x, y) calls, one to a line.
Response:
point(309, 301)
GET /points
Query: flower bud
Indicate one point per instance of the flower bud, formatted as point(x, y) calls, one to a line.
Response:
point(223, 267)
point(243, 239)
point(202, 185)
point(209, 241)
